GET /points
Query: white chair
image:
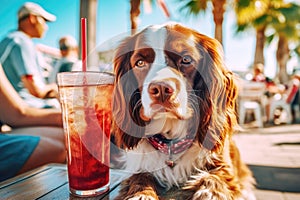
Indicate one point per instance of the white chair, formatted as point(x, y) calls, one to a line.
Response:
point(252, 97)
point(284, 101)
point(279, 101)
point(255, 107)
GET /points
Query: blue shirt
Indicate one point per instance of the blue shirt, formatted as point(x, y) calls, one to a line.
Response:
point(19, 57)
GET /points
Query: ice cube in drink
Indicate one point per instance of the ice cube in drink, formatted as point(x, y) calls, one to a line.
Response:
point(87, 122)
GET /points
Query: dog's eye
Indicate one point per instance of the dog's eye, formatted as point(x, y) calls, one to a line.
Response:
point(140, 63)
point(186, 60)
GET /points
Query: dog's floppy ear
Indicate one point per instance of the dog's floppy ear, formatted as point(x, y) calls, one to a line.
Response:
point(231, 97)
point(128, 127)
point(217, 109)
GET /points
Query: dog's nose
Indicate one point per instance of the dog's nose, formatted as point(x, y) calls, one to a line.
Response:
point(160, 91)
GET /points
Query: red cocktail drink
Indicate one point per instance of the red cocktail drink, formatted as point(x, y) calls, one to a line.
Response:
point(87, 122)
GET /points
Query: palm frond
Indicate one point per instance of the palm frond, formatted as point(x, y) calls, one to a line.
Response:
point(297, 50)
point(193, 7)
point(270, 38)
point(247, 10)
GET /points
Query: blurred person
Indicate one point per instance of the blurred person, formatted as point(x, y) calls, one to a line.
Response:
point(36, 135)
point(258, 73)
point(293, 87)
point(68, 47)
point(287, 96)
point(293, 95)
point(271, 87)
point(20, 59)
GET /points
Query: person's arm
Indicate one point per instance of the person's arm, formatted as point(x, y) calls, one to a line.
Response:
point(293, 89)
point(25, 65)
point(16, 113)
point(38, 88)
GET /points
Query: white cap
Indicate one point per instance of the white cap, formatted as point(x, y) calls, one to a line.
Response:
point(35, 9)
point(67, 42)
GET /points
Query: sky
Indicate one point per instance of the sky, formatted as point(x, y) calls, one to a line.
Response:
point(113, 21)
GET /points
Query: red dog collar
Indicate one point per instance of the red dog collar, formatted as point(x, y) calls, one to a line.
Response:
point(170, 147)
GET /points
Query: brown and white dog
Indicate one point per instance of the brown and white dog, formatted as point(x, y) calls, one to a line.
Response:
point(174, 113)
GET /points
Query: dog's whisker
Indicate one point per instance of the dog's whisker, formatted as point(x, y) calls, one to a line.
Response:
point(137, 106)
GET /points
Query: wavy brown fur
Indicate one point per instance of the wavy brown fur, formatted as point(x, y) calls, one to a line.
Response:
point(213, 98)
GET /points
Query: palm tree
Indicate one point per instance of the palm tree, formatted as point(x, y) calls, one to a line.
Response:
point(254, 14)
point(286, 22)
point(135, 11)
point(218, 13)
point(277, 15)
point(134, 14)
point(195, 7)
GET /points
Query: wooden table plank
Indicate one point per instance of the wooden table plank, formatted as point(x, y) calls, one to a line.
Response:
point(62, 192)
point(34, 185)
point(50, 182)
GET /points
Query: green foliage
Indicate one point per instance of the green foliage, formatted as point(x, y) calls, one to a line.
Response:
point(270, 38)
point(248, 10)
point(242, 4)
point(297, 50)
point(283, 18)
point(193, 7)
point(286, 22)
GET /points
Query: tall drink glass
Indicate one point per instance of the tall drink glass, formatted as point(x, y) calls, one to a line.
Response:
point(86, 109)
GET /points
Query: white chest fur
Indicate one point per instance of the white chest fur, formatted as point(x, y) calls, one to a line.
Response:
point(147, 159)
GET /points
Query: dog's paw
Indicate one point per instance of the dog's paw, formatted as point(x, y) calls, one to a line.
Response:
point(207, 194)
point(209, 187)
point(141, 197)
